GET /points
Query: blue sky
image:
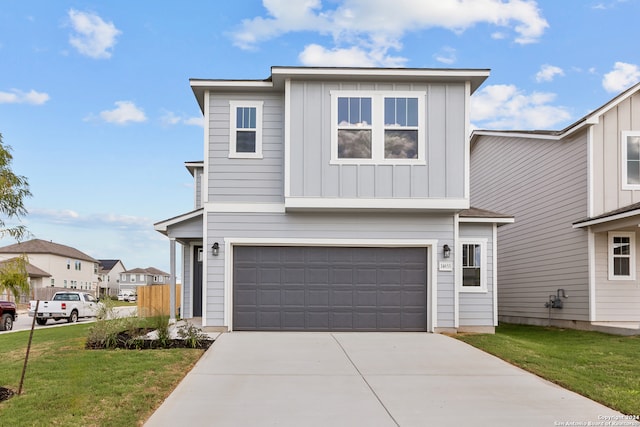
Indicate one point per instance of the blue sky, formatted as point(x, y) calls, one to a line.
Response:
point(96, 104)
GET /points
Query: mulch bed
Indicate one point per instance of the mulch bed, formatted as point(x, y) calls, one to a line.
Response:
point(6, 393)
point(132, 341)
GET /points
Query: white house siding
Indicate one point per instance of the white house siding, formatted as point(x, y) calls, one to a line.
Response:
point(246, 180)
point(543, 184)
point(324, 226)
point(476, 308)
point(616, 300)
point(186, 308)
point(312, 175)
point(197, 180)
point(607, 156)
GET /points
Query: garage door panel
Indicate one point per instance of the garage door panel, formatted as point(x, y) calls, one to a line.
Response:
point(329, 288)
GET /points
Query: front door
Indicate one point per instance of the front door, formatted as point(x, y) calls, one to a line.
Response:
point(197, 281)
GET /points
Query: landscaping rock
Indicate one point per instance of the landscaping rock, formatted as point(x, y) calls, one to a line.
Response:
point(6, 393)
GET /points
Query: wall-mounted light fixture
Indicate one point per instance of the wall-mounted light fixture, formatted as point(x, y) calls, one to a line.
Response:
point(215, 249)
point(446, 251)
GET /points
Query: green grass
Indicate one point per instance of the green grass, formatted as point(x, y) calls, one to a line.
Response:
point(66, 385)
point(602, 367)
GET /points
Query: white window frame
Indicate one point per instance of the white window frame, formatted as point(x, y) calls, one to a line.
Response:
point(483, 265)
point(632, 254)
point(378, 127)
point(623, 166)
point(233, 106)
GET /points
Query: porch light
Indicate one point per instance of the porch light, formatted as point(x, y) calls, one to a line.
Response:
point(446, 251)
point(215, 249)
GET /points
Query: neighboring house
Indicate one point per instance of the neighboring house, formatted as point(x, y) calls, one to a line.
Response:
point(575, 195)
point(131, 279)
point(35, 276)
point(337, 199)
point(109, 276)
point(64, 266)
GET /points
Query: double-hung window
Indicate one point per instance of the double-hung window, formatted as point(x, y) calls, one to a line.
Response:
point(378, 127)
point(622, 254)
point(630, 148)
point(245, 127)
point(473, 265)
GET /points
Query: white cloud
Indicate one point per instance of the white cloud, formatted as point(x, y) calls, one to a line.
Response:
point(171, 119)
point(93, 37)
point(376, 26)
point(447, 55)
point(548, 72)
point(125, 112)
point(623, 76)
point(506, 107)
point(15, 96)
point(315, 55)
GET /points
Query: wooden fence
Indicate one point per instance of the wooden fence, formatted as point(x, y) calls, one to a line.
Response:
point(153, 300)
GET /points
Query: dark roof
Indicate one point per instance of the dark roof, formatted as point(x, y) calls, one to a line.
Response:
point(39, 246)
point(481, 213)
point(148, 270)
point(625, 211)
point(108, 264)
point(32, 270)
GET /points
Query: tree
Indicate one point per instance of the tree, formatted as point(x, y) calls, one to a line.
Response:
point(13, 190)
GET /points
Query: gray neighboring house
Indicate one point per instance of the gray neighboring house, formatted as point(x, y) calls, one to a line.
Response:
point(109, 276)
point(575, 196)
point(132, 279)
point(337, 199)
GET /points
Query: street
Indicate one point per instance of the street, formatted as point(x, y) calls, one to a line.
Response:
point(23, 322)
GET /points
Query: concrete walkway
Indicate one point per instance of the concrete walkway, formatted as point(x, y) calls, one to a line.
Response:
point(366, 379)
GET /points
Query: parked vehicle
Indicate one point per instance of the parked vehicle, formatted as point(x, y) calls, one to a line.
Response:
point(68, 305)
point(8, 315)
point(132, 298)
point(124, 294)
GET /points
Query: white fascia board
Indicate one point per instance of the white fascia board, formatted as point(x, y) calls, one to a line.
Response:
point(221, 207)
point(163, 225)
point(302, 203)
point(217, 84)
point(489, 220)
point(623, 215)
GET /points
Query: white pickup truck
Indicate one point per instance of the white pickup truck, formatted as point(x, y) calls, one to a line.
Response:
point(68, 305)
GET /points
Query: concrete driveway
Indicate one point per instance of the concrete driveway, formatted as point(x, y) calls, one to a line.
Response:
point(366, 379)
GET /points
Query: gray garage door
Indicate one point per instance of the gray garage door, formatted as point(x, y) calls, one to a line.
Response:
point(330, 288)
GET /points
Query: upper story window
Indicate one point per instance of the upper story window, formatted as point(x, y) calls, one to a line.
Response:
point(474, 265)
point(245, 129)
point(631, 160)
point(622, 255)
point(378, 127)
point(78, 265)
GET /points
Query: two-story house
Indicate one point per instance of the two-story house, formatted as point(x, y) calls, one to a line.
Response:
point(571, 257)
point(59, 266)
point(337, 199)
point(132, 279)
point(109, 276)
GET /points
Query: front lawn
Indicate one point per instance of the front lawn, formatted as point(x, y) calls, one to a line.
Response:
point(66, 384)
point(602, 367)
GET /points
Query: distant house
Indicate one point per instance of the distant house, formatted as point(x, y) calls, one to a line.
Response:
point(35, 276)
point(58, 265)
point(109, 276)
point(571, 258)
point(337, 199)
point(131, 279)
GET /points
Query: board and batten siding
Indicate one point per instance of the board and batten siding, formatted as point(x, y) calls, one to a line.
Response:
point(607, 156)
point(312, 175)
point(476, 308)
point(543, 184)
point(197, 182)
point(246, 180)
point(374, 226)
point(186, 309)
point(616, 300)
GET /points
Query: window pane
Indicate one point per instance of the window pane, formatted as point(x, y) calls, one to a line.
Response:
point(633, 148)
point(412, 112)
point(633, 172)
point(389, 111)
point(246, 118)
point(621, 246)
point(621, 266)
point(354, 144)
point(401, 112)
point(470, 276)
point(354, 111)
point(365, 110)
point(245, 142)
point(401, 144)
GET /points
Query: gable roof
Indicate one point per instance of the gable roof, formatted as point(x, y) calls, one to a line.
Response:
point(32, 270)
point(108, 264)
point(482, 215)
point(149, 270)
point(39, 246)
point(623, 212)
point(590, 119)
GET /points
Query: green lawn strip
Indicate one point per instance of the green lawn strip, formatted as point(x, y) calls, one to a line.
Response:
point(66, 385)
point(599, 366)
